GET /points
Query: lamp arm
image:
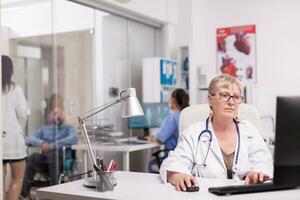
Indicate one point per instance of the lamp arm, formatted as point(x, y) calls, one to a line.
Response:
point(99, 109)
point(82, 120)
point(84, 131)
point(106, 184)
point(124, 95)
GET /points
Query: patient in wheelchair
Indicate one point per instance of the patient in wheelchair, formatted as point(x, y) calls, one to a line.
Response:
point(51, 139)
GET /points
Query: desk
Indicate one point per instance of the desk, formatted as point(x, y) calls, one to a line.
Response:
point(124, 148)
point(134, 185)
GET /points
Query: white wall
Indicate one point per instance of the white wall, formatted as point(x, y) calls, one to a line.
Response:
point(70, 16)
point(37, 19)
point(157, 9)
point(183, 25)
point(164, 11)
point(5, 33)
point(278, 46)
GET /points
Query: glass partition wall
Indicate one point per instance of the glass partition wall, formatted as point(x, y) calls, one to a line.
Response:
point(70, 56)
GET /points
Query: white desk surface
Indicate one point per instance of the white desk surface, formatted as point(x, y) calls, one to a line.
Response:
point(134, 185)
point(118, 147)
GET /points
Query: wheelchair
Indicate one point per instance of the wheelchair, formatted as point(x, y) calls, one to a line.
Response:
point(67, 168)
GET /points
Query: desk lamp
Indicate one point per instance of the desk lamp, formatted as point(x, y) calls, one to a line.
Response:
point(130, 108)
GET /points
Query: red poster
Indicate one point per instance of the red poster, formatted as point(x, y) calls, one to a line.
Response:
point(236, 52)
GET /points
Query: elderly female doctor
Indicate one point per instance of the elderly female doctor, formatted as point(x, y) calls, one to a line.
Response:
point(221, 146)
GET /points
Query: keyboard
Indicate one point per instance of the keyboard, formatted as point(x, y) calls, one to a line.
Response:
point(241, 189)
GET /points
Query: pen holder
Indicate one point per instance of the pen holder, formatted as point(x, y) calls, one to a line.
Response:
point(106, 180)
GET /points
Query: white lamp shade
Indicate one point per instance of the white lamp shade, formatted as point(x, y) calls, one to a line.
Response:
point(132, 107)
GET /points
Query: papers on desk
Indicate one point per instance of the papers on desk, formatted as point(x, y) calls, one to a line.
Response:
point(101, 130)
point(132, 140)
point(135, 142)
point(123, 141)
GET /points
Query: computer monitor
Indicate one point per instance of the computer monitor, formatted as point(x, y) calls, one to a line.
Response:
point(154, 115)
point(287, 141)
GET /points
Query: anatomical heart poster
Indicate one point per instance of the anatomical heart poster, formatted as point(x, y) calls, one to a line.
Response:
point(236, 52)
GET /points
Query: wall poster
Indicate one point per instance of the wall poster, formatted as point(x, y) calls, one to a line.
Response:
point(236, 52)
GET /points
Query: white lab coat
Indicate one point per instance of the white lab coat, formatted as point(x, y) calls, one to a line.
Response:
point(253, 155)
point(14, 106)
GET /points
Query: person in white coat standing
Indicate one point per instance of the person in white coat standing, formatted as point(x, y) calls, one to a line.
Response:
point(221, 146)
point(14, 113)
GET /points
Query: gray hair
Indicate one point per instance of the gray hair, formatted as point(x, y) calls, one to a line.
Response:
point(223, 81)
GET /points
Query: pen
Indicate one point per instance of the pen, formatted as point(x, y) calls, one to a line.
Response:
point(102, 164)
point(105, 167)
point(98, 162)
point(114, 166)
point(110, 165)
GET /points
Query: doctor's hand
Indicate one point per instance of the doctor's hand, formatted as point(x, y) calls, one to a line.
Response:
point(181, 180)
point(256, 177)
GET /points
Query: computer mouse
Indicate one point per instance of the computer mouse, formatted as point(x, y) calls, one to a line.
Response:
point(193, 188)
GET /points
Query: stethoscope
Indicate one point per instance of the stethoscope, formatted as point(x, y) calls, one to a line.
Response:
point(206, 135)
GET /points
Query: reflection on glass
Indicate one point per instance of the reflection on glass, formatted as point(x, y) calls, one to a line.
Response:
point(73, 60)
point(55, 70)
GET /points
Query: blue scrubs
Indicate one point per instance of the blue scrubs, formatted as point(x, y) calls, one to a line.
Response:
point(168, 132)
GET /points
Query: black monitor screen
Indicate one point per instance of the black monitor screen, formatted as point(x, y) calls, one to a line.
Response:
point(154, 114)
point(287, 141)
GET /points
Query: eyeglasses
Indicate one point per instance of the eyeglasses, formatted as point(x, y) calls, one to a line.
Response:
point(226, 97)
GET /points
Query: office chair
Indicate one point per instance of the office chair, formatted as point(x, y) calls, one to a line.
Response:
point(200, 112)
point(159, 156)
